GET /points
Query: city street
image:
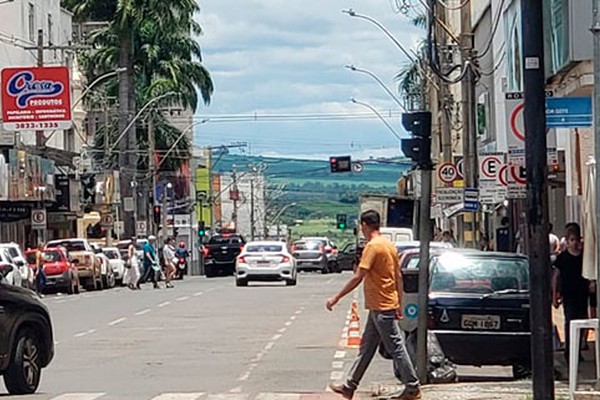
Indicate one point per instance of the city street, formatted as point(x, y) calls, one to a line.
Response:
point(204, 338)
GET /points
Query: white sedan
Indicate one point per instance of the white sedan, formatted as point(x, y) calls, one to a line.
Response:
point(265, 261)
point(116, 262)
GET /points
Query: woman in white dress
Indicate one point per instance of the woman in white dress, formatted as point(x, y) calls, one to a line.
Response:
point(132, 275)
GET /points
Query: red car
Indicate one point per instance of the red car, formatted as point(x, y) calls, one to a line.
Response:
point(60, 272)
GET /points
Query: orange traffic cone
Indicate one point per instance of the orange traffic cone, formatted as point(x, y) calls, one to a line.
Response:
point(353, 340)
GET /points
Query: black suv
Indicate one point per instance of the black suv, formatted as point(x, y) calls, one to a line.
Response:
point(26, 340)
point(221, 252)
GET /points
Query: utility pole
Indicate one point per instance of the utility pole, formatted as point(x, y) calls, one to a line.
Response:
point(537, 199)
point(127, 162)
point(107, 195)
point(151, 168)
point(596, 32)
point(234, 216)
point(39, 135)
point(252, 221)
point(469, 137)
point(163, 215)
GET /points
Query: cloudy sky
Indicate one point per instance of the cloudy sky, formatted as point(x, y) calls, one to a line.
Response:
point(285, 59)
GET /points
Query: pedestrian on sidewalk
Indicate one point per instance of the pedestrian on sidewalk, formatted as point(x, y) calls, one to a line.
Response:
point(132, 272)
point(169, 259)
point(569, 287)
point(151, 266)
point(380, 272)
point(39, 274)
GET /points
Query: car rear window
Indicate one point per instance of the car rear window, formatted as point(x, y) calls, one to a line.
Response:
point(225, 240)
point(112, 254)
point(70, 246)
point(13, 252)
point(263, 248)
point(453, 273)
point(51, 256)
point(309, 245)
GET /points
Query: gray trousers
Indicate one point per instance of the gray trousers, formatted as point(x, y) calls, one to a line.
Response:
point(382, 327)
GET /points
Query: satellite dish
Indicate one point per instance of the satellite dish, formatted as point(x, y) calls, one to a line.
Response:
point(357, 167)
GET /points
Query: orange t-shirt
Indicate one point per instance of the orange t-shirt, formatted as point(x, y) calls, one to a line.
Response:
point(380, 259)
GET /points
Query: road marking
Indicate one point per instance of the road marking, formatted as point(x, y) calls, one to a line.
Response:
point(166, 303)
point(289, 323)
point(236, 390)
point(336, 375)
point(228, 396)
point(178, 396)
point(146, 311)
point(244, 377)
point(184, 298)
point(282, 330)
point(197, 294)
point(337, 365)
point(292, 318)
point(298, 312)
point(117, 321)
point(276, 337)
point(79, 396)
point(277, 396)
point(82, 334)
point(269, 346)
point(339, 354)
point(258, 357)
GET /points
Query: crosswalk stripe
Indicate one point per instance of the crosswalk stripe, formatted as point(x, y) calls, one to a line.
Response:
point(79, 396)
point(277, 396)
point(227, 396)
point(178, 396)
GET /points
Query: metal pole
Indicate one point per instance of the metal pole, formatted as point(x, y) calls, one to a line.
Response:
point(152, 168)
point(39, 135)
point(596, 32)
point(425, 238)
point(252, 208)
point(537, 200)
point(163, 215)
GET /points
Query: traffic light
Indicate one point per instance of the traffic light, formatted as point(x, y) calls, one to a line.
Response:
point(340, 164)
point(418, 148)
point(156, 212)
point(201, 229)
point(342, 221)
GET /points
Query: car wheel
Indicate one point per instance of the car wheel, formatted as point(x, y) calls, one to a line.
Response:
point(291, 282)
point(100, 285)
point(241, 282)
point(521, 371)
point(23, 374)
point(325, 270)
point(110, 280)
point(77, 286)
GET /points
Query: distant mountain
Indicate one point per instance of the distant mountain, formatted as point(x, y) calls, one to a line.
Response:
point(379, 175)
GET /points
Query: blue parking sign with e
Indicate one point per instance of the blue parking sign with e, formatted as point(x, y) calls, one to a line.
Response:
point(411, 310)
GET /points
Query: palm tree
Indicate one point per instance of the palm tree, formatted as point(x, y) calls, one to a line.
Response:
point(410, 79)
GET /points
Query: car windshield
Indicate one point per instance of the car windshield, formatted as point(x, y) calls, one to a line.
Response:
point(69, 245)
point(50, 256)
point(13, 252)
point(309, 245)
point(452, 272)
point(112, 254)
point(263, 248)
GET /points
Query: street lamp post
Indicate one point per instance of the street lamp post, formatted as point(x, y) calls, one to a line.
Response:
point(380, 82)
point(276, 219)
point(379, 115)
point(95, 82)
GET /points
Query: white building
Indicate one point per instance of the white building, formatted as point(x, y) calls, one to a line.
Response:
point(251, 187)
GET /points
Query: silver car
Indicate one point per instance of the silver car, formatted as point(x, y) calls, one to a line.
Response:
point(265, 261)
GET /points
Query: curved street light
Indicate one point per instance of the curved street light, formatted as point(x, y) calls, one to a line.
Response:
point(379, 115)
point(383, 85)
point(148, 104)
point(181, 136)
point(95, 82)
point(378, 24)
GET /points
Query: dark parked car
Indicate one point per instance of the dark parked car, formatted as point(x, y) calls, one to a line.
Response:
point(316, 254)
point(26, 339)
point(220, 254)
point(478, 305)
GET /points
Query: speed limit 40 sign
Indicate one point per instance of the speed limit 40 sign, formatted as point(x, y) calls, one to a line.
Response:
point(447, 173)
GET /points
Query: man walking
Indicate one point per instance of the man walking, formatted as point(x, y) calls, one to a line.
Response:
point(150, 262)
point(380, 272)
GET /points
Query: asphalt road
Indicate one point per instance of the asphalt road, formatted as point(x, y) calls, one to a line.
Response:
point(205, 338)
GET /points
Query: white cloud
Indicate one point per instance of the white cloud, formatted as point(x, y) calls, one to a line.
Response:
point(288, 56)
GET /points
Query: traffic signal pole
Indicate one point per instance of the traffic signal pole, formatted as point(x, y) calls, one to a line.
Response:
point(537, 199)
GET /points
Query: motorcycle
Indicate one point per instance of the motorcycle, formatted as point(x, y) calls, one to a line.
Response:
point(181, 268)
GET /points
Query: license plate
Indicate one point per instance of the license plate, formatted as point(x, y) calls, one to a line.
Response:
point(481, 322)
point(263, 262)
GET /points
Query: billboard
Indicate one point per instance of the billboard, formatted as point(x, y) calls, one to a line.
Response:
point(36, 98)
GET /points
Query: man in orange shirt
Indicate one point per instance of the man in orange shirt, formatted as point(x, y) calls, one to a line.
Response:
point(380, 272)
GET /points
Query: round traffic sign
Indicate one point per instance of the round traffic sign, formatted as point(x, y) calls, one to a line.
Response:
point(357, 167)
point(447, 173)
point(502, 175)
point(490, 166)
point(517, 124)
point(459, 168)
point(517, 173)
point(38, 216)
point(411, 310)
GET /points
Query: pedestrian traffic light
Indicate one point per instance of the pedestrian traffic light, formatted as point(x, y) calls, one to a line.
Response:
point(201, 229)
point(342, 221)
point(340, 164)
point(418, 148)
point(156, 212)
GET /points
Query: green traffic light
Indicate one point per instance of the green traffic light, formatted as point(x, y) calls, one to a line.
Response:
point(342, 226)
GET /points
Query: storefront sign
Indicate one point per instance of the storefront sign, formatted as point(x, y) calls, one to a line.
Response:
point(36, 98)
point(11, 213)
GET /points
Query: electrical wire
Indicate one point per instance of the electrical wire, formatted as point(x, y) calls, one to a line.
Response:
point(496, 67)
point(490, 40)
point(453, 8)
